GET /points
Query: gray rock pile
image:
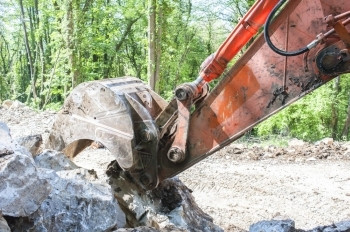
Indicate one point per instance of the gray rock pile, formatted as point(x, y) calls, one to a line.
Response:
point(49, 193)
point(26, 123)
point(76, 203)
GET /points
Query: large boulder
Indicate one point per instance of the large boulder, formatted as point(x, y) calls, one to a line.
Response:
point(22, 190)
point(170, 207)
point(79, 201)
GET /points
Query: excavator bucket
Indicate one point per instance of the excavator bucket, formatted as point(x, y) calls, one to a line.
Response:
point(119, 113)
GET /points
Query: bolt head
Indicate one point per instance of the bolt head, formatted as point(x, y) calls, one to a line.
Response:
point(181, 94)
point(176, 155)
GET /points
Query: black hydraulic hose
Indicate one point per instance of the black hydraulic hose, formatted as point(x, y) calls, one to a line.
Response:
point(267, 36)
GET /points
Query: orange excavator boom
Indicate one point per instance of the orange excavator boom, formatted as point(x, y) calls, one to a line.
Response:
point(266, 78)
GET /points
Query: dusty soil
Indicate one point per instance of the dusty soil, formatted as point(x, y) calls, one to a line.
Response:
point(239, 193)
point(243, 184)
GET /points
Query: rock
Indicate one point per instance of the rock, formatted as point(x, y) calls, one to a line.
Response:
point(296, 143)
point(54, 160)
point(21, 189)
point(278, 216)
point(7, 146)
point(18, 176)
point(138, 229)
point(325, 141)
point(311, 159)
point(273, 226)
point(4, 151)
point(7, 104)
point(169, 207)
point(343, 226)
point(17, 104)
point(150, 229)
point(289, 226)
point(78, 202)
point(268, 155)
point(32, 143)
point(96, 145)
point(3, 225)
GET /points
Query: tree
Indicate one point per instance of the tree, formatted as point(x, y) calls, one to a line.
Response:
point(29, 53)
point(152, 43)
point(69, 35)
point(155, 18)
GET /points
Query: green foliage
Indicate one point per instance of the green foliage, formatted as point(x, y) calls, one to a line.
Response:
point(311, 118)
point(55, 106)
point(252, 140)
point(74, 41)
point(298, 120)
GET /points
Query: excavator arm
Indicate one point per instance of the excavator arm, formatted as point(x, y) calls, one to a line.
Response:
point(153, 140)
point(261, 82)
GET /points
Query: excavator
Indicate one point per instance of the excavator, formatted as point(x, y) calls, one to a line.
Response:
point(298, 45)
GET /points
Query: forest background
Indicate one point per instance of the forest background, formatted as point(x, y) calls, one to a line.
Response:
point(47, 47)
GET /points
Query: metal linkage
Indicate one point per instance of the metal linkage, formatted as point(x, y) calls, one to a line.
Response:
point(186, 95)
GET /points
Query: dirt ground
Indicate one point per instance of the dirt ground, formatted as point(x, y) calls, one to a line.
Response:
point(243, 184)
point(240, 193)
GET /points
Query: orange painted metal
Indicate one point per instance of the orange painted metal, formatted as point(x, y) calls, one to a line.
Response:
point(343, 33)
point(247, 27)
point(177, 151)
point(262, 82)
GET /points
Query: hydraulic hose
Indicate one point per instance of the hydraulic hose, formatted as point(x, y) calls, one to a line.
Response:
point(268, 40)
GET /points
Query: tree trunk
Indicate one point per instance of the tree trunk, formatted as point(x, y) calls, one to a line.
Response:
point(3, 71)
point(346, 127)
point(335, 118)
point(158, 49)
point(53, 71)
point(29, 53)
point(69, 37)
point(151, 43)
point(42, 63)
